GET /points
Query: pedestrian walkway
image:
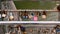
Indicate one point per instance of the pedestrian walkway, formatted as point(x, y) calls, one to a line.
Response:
point(9, 5)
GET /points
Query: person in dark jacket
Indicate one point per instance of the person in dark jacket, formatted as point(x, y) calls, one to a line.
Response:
point(23, 29)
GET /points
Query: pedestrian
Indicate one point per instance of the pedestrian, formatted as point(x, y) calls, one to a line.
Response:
point(35, 18)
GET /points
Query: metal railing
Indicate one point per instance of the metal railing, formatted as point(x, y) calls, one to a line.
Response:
point(18, 14)
point(29, 10)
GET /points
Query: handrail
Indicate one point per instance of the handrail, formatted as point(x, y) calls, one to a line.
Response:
point(41, 22)
point(29, 10)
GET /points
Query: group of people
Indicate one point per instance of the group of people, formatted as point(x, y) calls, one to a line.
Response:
point(33, 16)
point(17, 29)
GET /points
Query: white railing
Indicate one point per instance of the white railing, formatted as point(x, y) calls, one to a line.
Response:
point(40, 22)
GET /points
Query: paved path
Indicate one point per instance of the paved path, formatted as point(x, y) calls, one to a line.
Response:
point(9, 5)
